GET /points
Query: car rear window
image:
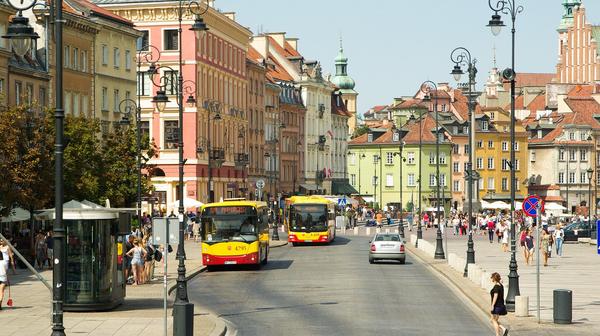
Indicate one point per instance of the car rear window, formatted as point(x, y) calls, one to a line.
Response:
point(387, 238)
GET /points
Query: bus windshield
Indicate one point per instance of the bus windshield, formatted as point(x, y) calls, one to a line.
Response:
point(308, 218)
point(223, 224)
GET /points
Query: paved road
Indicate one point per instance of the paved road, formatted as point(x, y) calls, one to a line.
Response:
point(333, 290)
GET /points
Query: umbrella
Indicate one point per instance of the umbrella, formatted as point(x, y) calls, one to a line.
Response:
point(17, 215)
point(554, 206)
point(188, 203)
point(500, 205)
point(486, 205)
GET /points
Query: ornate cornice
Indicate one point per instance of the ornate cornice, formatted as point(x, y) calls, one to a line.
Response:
point(152, 14)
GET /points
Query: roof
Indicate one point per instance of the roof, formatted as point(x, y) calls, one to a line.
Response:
point(105, 13)
point(531, 79)
point(584, 109)
point(425, 134)
point(583, 90)
point(339, 107)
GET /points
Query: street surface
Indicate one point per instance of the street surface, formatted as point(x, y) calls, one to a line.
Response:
point(333, 290)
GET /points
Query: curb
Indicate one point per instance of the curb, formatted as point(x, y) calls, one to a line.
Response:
point(192, 275)
point(278, 245)
point(221, 327)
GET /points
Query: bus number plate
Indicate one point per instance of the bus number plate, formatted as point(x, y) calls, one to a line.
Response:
point(308, 241)
point(230, 262)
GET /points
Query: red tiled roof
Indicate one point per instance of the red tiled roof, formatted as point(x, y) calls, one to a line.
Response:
point(411, 103)
point(414, 134)
point(583, 90)
point(290, 51)
point(584, 109)
point(531, 79)
point(102, 11)
point(461, 105)
point(253, 54)
point(278, 72)
point(378, 108)
point(341, 110)
point(550, 137)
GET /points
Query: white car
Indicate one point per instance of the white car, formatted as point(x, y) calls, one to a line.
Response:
point(387, 246)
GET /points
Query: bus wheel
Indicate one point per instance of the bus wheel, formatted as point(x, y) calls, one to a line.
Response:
point(294, 244)
point(266, 260)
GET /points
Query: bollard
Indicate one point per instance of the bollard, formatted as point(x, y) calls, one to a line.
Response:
point(563, 306)
point(521, 306)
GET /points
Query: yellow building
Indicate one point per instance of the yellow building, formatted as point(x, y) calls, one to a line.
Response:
point(492, 156)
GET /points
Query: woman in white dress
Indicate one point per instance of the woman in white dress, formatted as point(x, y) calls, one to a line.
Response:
point(505, 232)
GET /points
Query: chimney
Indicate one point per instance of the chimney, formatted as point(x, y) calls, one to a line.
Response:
point(279, 38)
point(293, 42)
point(230, 15)
point(261, 44)
point(211, 3)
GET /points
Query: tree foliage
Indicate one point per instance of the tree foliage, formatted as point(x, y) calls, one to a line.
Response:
point(360, 130)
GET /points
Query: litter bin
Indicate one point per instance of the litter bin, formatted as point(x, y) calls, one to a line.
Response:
point(563, 306)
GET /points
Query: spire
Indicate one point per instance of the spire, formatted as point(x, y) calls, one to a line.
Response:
point(341, 78)
point(567, 18)
point(494, 52)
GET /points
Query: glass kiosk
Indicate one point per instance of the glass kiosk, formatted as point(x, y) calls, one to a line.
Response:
point(94, 269)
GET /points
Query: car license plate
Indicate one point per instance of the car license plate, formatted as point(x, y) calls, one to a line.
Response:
point(230, 262)
point(308, 241)
point(387, 245)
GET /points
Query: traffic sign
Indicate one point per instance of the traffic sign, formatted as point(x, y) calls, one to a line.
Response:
point(342, 201)
point(530, 205)
point(260, 184)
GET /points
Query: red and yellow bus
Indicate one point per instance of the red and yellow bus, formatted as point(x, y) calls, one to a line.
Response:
point(310, 219)
point(234, 233)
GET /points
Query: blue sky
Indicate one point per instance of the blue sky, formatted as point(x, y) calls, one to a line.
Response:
point(395, 45)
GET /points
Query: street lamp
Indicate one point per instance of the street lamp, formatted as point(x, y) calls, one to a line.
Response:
point(21, 36)
point(428, 88)
point(296, 165)
point(360, 157)
point(511, 8)
point(462, 57)
point(375, 161)
point(402, 159)
point(419, 228)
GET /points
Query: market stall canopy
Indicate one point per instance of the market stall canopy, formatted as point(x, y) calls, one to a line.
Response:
point(486, 205)
point(17, 215)
point(75, 210)
point(432, 209)
point(554, 206)
point(188, 203)
point(499, 205)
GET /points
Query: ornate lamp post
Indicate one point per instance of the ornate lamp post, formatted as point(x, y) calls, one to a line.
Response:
point(427, 87)
point(183, 310)
point(462, 57)
point(511, 8)
point(402, 159)
point(21, 36)
point(590, 173)
point(419, 229)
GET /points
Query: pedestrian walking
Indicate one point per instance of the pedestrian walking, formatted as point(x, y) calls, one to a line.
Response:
point(379, 219)
point(498, 307)
point(490, 229)
point(3, 277)
point(41, 253)
point(138, 255)
point(505, 230)
point(559, 236)
point(529, 246)
point(545, 245)
point(149, 260)
point(522, 237)
point(426, 220)
point(8, 255)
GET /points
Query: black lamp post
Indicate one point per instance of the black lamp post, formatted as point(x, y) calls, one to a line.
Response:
point(375, 161)
point(419, 228)
point(402, 159)
point(427, 88)
point(462, 57)
point(183, 310)
point(21, 36)
point(511, 8)
point(590, 173)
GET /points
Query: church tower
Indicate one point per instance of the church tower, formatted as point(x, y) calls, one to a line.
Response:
point(569, 7)
point(346, 86)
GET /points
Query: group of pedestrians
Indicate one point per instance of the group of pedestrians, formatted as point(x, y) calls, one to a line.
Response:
point(140, 257)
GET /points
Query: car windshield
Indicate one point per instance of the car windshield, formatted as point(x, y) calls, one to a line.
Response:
point(308, 218)
point(230, 228)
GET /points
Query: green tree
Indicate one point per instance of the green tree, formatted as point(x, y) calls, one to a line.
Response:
point(26, 143)
point(360, 130)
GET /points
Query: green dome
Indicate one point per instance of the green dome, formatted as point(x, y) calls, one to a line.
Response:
point(343, 82)
point(341, 78)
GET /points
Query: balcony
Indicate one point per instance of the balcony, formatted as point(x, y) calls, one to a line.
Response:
point(241, 160)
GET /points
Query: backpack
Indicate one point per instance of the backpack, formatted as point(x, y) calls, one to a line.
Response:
point(158, 255)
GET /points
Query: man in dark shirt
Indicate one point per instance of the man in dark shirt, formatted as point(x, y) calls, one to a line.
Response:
point(128, 246)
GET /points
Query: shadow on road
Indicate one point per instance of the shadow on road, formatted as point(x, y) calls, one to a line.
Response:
point(271, 265)
point(339, 241)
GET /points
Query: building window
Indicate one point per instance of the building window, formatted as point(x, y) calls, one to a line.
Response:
point(504, 184)
point(127, 60)
point(571, 136)
point(583, 177)
point(116, 101)
point(410, 158)
point(145, 130)
point(117, 57)
point(466, 129)
point(67, 56)
point(75, 59)
point(375, 159)
point(573, 155)
point(170, 39)
point(370, 137)
point(144, 84)
point(442, 180)
point(389, 180)
point(597, 177)
point(29, 94)
point(104, 54)
point(142, 41)
point(505, 164)
point(482, 185)
point(456, 149)
point(396, 137)
point(84, 60)
point(467, 149)
point(432, 180)
point(456, 186)
point(42, 96)
point(516, 146)
point(171, 81)
point(466, 166)
point(505, 146)
point(76, 102)
point(105, 99)
point(68, 103)
point(583, 155)
point(480, 144)
point(490, 163)
point(411, 180)
point(18, 92)
point(389, 156)
point(351, 157)
point(492, 115)
point(456, 167)
point(171, 134)
point(485, 126)
point(561, 177)
point(571, 177)
point(353, 179)
point(532, 155)
point(85, 104)
point(491, 183)
point(442, 158)
point(490, 144)
point(431, 158)
point(561, 155)
point(517, 165)
point(479, 165)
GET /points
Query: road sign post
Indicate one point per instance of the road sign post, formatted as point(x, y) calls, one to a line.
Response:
point(530, 206)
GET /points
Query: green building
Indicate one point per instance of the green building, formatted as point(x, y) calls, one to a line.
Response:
point(375, 168)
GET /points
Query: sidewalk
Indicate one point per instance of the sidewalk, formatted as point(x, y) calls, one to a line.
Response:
point(141, 314)
point(577, 270)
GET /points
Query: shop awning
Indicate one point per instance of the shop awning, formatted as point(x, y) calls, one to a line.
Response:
point(342, 188)
point(311, 187)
